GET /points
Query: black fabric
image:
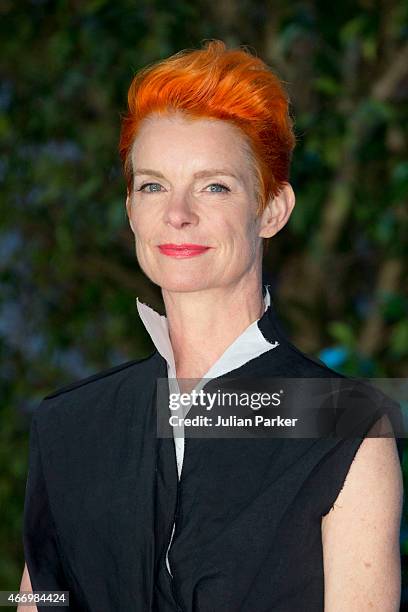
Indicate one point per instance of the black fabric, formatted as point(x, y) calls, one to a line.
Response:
point(99, 452)
point(103, 492)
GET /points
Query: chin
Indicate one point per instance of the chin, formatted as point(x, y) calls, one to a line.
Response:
point(180, 281)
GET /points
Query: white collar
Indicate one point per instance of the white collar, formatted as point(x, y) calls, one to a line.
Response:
point(249, 344)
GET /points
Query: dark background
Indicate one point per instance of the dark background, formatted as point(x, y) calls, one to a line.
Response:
point(68, 272)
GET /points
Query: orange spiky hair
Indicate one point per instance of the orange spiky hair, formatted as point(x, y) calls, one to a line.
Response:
point(216, 82)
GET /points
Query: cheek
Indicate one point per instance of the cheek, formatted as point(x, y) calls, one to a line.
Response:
point(141, 222)
point(243, 234)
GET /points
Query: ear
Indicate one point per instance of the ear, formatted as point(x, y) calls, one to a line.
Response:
point(277, 212)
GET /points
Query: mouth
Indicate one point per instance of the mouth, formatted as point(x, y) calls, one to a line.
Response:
point(183, 250)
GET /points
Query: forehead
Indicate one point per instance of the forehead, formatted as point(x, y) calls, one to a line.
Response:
point(192, 141)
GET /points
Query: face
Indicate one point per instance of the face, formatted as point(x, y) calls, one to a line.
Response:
point(193, 206)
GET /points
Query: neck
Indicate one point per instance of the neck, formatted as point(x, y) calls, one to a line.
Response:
point(203, 324)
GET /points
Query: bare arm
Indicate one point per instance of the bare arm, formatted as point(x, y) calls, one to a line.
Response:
point(360, 534)
point(26, 586)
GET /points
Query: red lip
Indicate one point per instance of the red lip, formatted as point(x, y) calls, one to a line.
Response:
point(183, 250)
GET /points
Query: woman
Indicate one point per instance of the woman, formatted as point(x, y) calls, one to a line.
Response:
point(125, 519)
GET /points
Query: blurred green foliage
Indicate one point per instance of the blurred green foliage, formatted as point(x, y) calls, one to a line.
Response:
point(68, 272)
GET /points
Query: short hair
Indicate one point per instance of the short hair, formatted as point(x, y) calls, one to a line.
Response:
point(215, 82)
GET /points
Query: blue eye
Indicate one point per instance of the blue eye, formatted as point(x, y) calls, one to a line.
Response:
point(219, 185)
point(141, 188)
point(221, 188)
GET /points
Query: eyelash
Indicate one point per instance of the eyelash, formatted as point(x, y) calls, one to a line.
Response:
point(217, 184)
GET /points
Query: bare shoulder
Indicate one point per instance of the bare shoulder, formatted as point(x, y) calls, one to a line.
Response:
point(375, 474)
point(360, 534)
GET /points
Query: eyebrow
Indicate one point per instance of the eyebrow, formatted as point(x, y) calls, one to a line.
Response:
point(199, 174)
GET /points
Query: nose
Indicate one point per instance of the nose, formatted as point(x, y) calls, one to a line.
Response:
point(179, 213)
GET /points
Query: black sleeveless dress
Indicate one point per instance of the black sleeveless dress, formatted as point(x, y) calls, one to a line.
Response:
point(103, 492)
